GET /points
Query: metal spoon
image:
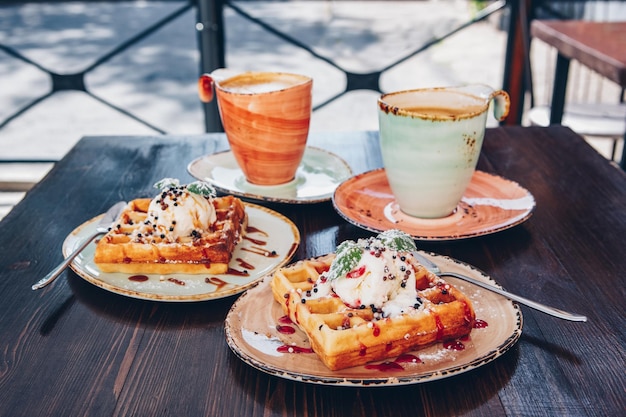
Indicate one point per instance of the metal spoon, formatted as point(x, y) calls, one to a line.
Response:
point(432, 267)
point(103, 226)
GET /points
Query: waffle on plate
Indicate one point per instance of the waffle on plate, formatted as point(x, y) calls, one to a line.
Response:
point(370, 301)
point(184, 229)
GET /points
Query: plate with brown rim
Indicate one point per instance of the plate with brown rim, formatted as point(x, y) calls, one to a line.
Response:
point(317, 177)
point(254, 330)
point(270, 242)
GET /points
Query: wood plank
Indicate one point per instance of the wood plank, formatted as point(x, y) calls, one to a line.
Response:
point(75, 349)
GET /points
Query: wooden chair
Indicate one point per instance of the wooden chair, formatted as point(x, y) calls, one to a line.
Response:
point(589, 119)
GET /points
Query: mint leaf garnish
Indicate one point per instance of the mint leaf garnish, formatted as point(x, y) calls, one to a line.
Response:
point(166, 183)
point(397, 240)
point(349, 253)
point(348, 256)
point(202, 188)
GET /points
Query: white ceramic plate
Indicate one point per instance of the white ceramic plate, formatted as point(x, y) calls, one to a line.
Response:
point(320, 172)
point(252, 335)
point(271, 241)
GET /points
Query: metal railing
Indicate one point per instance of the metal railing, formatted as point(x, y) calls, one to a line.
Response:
point(210, 29)
point(212, 35)
point(76, 81)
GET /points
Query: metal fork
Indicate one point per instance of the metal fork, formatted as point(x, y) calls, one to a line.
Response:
point(432, 267)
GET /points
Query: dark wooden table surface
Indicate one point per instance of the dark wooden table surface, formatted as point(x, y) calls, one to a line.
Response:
point(73, 349)
point(600, 46)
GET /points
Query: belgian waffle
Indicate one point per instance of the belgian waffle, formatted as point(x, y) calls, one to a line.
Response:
point(344, 336)
point(122, 249)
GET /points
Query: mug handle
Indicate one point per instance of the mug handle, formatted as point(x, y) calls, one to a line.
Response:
point(207, 82)
point(205, 88)
point(501, 104)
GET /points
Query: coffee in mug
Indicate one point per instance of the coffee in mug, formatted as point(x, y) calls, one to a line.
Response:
point(266, 117)
point(430, 142)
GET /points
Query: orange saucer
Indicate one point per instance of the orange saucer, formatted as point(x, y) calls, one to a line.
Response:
point(490, 204)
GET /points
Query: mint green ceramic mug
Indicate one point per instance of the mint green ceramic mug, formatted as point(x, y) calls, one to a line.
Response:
point(430, 141)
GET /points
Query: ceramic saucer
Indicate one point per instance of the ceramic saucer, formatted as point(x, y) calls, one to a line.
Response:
point(318, 176)
point(490, 204)
point(253, 334)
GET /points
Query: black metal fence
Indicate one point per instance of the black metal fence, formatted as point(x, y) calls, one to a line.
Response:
point(211, 42)
point(210, 29)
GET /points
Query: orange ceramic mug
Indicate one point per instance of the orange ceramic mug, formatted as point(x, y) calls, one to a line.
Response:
point(266, 118)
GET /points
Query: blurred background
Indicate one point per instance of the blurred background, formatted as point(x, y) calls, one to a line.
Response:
point(69, 69)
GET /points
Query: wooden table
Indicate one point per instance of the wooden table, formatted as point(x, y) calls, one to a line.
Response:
point(601, 46)
point(73, 349)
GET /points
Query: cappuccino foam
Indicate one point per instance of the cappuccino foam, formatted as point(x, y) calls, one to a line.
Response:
point(444, 111)
point(260, 83)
